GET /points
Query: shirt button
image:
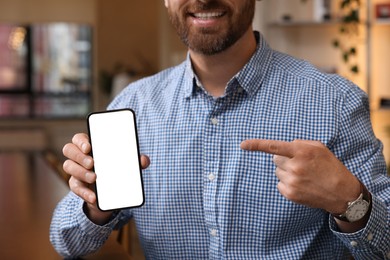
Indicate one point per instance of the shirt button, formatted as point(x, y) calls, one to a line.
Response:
point(214, 121)
point(354, 243)
point(213, 232)
point(370, 236)
point(211, 177)
point(240, 90)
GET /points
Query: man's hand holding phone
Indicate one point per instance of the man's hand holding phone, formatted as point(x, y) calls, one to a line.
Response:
point(79, 166)
point(82, 178)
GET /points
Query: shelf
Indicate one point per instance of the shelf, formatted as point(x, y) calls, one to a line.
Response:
point(380, 21)
point(45, 105)
point(303, 23)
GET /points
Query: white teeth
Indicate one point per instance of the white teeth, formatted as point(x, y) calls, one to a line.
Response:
point(207, 15)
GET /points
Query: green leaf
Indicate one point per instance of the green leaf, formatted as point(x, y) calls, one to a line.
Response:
point(345, 3)
point(345, 56)
point(354, 16)
point(355, 69)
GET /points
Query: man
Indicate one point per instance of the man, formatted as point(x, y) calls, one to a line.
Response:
point(249, 154)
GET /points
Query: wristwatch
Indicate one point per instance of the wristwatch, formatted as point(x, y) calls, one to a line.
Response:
point(358, 208)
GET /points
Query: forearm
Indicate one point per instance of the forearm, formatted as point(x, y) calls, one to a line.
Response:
point(72, 233)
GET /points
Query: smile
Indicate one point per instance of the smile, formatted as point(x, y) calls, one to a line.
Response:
point(205, 16)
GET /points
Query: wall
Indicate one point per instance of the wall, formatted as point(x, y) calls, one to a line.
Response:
point(379, 78)
point(48, 11)
point(380, 56)
point(171, 50)
point(127, 34)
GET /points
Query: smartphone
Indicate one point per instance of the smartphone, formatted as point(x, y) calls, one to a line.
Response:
point(115, 150)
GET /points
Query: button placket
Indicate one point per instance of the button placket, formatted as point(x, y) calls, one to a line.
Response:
point(212, 154)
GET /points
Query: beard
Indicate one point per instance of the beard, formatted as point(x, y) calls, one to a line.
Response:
point(210, 41)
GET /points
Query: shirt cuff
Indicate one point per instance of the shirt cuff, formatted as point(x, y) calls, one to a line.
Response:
point(91, 229)
point(372, 236)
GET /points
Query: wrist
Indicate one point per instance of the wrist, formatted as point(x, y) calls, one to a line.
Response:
point(96, 215)
point(357, 209)
point(356, 216)
point(349, 191)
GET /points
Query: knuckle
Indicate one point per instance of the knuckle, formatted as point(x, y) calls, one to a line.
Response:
point(75, 138)
point(79, 137)
point(72, 169)
point(66, 149)
point(297, 169)
point(291, 195)
point(66, 166)
point(71, 183)
point(80, 157)
point(273, 148)
point(75, 187)
point(278, 173)
point(277, 160)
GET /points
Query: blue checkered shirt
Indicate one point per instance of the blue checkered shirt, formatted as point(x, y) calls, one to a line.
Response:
point(208, 199)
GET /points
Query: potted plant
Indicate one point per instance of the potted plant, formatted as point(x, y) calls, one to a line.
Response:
point(349, 30)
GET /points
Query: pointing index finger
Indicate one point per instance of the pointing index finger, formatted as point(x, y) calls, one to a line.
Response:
point(269, 146)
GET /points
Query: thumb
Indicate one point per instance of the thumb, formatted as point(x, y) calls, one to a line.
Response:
point(145, 161)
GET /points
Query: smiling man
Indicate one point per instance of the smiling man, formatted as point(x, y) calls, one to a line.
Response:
point(210, 27)
point(248, 154)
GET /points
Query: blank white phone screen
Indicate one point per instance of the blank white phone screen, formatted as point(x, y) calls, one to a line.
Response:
point(116, 159)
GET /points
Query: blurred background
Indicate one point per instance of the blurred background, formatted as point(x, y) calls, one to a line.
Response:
point(61, 59)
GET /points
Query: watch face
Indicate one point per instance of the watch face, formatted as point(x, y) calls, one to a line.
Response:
point(357, 210)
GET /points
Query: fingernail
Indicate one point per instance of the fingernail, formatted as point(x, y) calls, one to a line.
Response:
point(84, 147)
point(87, 162)
point(90, 177)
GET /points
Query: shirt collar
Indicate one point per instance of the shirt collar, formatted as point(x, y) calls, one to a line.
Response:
point(250, 77)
